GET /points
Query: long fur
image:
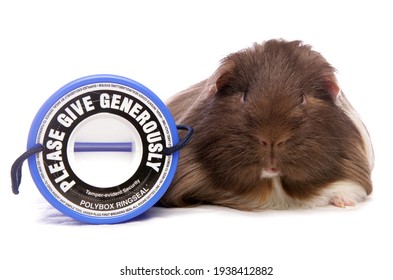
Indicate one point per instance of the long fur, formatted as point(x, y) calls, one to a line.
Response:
point(326, 153)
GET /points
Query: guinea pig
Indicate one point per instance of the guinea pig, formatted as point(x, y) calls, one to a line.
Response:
point(272, 130)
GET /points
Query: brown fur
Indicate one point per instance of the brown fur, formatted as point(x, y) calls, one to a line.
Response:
point(269, 106)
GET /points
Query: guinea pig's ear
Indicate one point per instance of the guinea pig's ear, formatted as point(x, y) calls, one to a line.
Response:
point(222, 77)
point(332, 87)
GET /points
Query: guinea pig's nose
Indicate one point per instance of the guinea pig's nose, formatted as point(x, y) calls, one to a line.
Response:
point(267, 142)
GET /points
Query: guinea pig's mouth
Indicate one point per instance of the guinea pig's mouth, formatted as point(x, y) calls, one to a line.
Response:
point(270, 172)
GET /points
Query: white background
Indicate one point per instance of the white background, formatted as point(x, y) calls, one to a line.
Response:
point(167, 46)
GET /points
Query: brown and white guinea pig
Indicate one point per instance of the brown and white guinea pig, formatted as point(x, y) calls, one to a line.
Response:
point(272, 130)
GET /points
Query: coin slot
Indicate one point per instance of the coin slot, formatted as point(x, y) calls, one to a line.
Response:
point(104, 150)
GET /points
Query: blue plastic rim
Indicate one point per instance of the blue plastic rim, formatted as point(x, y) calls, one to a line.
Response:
point(39, 118)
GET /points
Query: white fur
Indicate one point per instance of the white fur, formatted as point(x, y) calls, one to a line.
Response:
point(346, 190)
point(268, 174)
point(278, 198)
point(343, 102)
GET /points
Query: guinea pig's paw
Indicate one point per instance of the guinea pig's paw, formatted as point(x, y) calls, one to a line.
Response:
point(344, 193)
point(342, 202)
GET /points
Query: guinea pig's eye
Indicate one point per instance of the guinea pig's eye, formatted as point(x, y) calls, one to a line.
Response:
point(303, 100)
point(245, 95)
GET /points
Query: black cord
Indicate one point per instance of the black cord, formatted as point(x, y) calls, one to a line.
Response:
point(170, 150)
point(16, 169)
